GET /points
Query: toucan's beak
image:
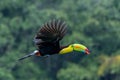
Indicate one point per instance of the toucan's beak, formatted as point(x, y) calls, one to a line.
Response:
point(29, 55)
point(87, 51)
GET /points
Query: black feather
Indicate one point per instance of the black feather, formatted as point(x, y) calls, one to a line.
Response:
point(48, 37)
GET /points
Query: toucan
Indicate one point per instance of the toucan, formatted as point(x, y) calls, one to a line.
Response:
point(48, 38)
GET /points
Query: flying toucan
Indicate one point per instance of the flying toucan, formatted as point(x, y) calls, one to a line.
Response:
point(48, 39)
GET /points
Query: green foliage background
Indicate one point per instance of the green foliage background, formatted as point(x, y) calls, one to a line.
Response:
point(94, 23)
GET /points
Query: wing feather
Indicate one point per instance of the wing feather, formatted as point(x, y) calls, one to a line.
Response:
point(50, 32)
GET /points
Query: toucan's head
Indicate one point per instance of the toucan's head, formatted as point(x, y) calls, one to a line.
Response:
point(75, 47)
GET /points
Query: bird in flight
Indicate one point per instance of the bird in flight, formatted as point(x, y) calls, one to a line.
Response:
point(48, 40)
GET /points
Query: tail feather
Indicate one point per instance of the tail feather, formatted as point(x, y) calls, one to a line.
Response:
point(26, 56)
point(29, 55)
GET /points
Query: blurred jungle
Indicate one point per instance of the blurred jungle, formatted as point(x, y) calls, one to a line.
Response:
point(94, 23)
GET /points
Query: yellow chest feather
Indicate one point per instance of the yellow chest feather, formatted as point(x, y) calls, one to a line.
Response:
point(66, 50)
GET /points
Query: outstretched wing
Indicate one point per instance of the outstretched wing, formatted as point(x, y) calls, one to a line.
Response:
point(50, 32)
